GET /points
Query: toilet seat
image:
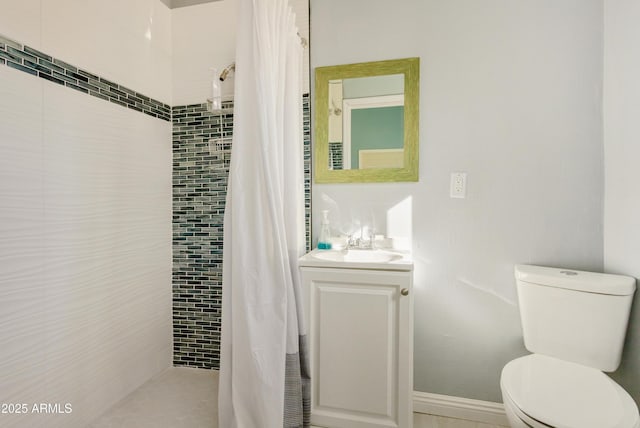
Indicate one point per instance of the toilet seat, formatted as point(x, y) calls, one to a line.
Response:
point(556, 393)
point(521, 418)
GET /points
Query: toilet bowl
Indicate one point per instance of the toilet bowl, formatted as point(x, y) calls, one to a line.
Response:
point(574, 323)
point(541, 391)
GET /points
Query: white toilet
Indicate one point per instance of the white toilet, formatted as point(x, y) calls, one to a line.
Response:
point(574, 322)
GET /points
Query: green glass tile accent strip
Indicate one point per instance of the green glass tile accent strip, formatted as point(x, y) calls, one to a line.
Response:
point(306, 128)
point(36, 63)
point(200, 171)
point(201, 158)
point(335, 155)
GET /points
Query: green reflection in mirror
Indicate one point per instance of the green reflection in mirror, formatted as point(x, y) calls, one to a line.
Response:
point(366, 122)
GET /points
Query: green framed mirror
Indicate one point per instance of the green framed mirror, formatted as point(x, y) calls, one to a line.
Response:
point(366, 122)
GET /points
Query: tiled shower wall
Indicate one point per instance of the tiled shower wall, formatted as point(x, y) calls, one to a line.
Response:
point(201, 155)
point(85, 221)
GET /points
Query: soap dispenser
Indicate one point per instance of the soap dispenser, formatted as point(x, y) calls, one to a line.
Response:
point(325, 232)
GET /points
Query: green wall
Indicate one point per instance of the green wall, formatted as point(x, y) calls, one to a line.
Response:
point(376, 128)
point(375, 86)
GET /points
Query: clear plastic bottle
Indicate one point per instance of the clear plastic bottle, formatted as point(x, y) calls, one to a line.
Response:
point(324, 242)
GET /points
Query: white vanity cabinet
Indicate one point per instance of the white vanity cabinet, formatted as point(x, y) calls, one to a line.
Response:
point(360, 338)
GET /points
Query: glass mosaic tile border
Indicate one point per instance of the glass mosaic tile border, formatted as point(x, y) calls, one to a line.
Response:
point(335, 155)
point(201, 159)
point(39, 64)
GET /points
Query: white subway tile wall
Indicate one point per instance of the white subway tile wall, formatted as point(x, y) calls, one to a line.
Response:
point(85, 249)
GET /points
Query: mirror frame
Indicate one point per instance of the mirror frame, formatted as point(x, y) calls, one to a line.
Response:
point(410, 67)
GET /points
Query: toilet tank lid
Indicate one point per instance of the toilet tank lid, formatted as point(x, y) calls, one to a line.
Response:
point(588, 282)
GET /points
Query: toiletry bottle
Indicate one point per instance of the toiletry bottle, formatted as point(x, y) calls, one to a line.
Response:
point(325, 232)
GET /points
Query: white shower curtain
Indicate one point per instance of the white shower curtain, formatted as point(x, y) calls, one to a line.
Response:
point(263, 372)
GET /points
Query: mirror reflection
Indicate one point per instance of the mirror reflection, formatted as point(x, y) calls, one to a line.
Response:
point(366, 122)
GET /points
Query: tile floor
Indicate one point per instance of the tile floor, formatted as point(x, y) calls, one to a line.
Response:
point(176, 398)
point(429, 421)
point(187, 398)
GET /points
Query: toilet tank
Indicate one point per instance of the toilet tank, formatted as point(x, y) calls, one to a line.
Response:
point(574, 315)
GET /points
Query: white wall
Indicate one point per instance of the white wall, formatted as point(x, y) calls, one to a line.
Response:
point(511, 94)
point(622, 172)
point(204, 37)
point(85, 224)
point(125, 41)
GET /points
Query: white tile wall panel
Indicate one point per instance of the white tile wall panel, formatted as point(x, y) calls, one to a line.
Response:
point(204, 37)
point(20, 20)
point(114, 39)
point(85, 250)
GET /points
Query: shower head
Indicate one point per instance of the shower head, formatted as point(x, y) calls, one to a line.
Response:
point(225, 73)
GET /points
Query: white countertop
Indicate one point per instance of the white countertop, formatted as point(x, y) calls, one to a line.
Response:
point(358, 259)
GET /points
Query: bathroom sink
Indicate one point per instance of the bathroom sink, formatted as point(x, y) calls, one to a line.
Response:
point(358, 256)
point(358, 259)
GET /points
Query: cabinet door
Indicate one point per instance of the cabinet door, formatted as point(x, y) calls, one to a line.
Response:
point(360, 338)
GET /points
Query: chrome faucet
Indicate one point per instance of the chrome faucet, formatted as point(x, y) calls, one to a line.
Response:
point(360, 242)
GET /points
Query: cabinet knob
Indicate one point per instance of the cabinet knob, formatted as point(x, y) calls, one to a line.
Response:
point(404, 291)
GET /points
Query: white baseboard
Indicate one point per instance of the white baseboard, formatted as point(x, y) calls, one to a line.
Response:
point(460, 408)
